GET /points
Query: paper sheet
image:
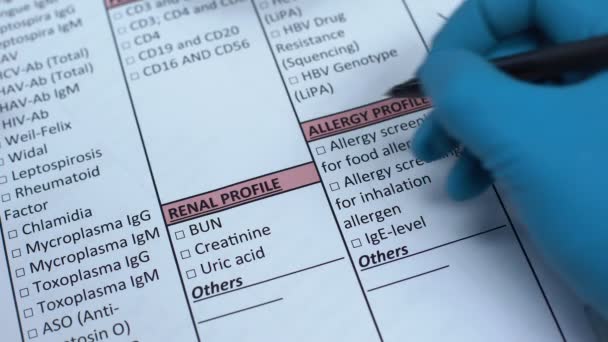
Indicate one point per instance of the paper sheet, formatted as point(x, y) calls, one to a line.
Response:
point(229, 170)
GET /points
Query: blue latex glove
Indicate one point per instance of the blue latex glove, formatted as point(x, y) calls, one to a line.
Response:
point(546, 144)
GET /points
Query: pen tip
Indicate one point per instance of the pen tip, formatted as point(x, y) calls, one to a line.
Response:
point(409, 88)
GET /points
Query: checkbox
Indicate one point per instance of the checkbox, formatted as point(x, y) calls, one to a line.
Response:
point(24, 292)
point(16, 253)
point(20, 272)
point(179, 235)
point(185, 254)
point(275, 34)
point(121, 30)
point(134, 76)
point(126, 45)
point(117, 16)
point(12, 234)
point(263, 5)
point(6, 197)
point(32, 333)
point(356, 243)
point(3, 180)
point(334, 186)
point(27, 313)
point(321, 150)
point(191, 274)
point(130, 60)
point(293, 80)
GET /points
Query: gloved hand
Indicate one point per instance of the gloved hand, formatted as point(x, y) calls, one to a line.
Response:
point(547, 144)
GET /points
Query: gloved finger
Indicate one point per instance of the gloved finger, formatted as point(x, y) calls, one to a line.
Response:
point(519, 43)
point(588, 89)
point(467, 91)
point(479, 24)
point(568, 20)
point(468, 178)
point(431, 142)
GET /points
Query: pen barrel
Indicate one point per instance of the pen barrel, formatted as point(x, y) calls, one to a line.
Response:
point(581, 56)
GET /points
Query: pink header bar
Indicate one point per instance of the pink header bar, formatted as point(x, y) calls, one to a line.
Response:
point(240, 193)
point(363, 116)
point(115, 3)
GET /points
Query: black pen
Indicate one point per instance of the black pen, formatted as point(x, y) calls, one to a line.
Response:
point(539, 65)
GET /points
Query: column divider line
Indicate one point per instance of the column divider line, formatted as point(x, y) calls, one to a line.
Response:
point(141, 137)
point(10, 277)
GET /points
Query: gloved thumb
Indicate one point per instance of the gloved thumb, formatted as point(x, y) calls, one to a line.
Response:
point(474, 101)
